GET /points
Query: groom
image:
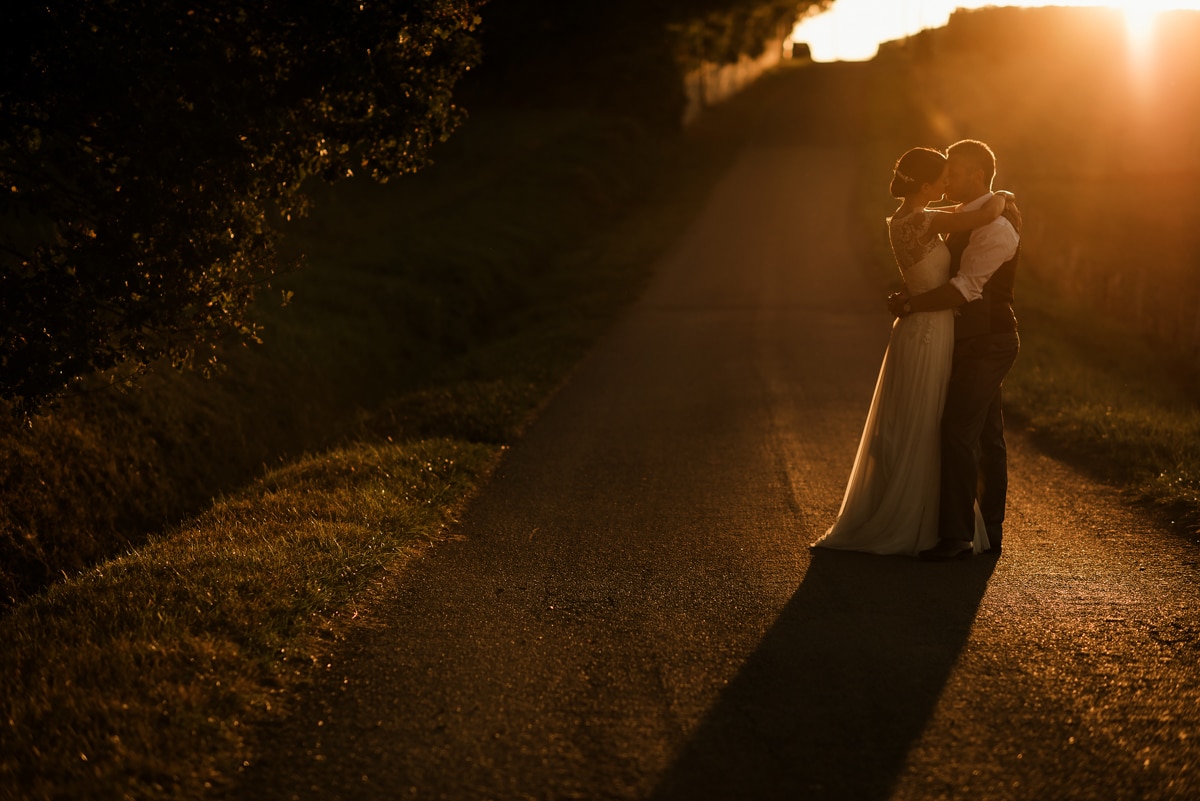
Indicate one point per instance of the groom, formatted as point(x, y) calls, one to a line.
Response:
point(983, 267)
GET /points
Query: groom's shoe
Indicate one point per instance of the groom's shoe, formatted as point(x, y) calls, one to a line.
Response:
point(948, 551)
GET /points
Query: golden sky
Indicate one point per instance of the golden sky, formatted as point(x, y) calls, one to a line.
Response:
point(853, 29)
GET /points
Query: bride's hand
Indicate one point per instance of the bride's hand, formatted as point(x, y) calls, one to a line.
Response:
point(1009, 210)
point(996, 203)
point(1013, 215)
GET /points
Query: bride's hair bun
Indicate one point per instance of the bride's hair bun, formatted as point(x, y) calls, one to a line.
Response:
point(917, 167)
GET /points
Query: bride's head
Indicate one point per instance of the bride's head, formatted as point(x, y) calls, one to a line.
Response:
point(916, 169)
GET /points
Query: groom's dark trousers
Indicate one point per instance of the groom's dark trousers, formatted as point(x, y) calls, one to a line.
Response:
point(973, 445)
point(974, 456)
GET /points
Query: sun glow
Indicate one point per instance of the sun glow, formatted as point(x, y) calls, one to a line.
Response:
point(852, 30)
point(1141, 17)
point(1140, 22)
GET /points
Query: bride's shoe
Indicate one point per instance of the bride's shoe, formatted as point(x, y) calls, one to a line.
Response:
point(948, 551)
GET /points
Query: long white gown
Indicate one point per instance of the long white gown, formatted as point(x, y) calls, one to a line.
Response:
point(891, 500)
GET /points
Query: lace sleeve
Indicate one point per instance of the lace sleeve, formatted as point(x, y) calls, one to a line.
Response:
point(906, 234)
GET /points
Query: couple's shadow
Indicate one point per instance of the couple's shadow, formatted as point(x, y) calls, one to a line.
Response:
point(840, 687)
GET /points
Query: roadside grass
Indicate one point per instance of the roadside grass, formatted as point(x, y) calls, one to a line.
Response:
point(401, 279)
point(137, 677)
point(1109, 401)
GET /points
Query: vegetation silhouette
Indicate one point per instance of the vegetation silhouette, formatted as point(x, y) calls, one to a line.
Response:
point(148, 154)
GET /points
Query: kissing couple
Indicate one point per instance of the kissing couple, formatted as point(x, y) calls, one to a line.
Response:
point(931, 474)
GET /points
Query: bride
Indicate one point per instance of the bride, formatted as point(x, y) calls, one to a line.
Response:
point(891, 500)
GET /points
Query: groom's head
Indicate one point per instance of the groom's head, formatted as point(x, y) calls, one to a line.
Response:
point(970, 168)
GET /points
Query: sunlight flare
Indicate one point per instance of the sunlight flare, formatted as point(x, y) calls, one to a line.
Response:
point(1141, 17)
point(852, 30)
point(1140, 21)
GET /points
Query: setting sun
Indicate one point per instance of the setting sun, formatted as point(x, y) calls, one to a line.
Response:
point(852, 30)
point(1140, 19)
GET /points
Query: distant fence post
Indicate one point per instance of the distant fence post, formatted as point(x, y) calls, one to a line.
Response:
point(712, 83)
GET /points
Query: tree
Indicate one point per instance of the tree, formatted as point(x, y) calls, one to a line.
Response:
point(147, 147)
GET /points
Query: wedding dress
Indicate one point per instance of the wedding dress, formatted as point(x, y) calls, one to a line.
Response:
point(891, 500)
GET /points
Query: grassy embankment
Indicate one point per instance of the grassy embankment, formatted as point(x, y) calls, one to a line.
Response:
point(436, 315)
point(403, 281)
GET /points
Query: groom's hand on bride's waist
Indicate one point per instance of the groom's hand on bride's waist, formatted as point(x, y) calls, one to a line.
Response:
point(896, 303)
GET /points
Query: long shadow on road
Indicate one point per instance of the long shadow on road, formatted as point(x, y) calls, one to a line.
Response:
point(854, 665)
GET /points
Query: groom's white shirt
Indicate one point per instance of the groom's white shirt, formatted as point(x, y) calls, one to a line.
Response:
point(991, 245)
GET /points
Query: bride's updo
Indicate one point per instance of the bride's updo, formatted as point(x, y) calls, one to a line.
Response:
point(917, 167)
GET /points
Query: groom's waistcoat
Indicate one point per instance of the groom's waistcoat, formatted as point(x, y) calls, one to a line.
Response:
point(993, 313)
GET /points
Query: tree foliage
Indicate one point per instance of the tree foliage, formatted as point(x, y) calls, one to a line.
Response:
point(721, 31)
point(146, 149)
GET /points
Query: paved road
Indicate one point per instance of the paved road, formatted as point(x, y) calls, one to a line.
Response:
point(632, 610)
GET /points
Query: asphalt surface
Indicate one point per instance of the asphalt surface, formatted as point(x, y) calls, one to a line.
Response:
point(631, 609)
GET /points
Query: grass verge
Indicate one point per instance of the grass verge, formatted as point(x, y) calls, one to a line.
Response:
point(1107, 400)
point(136, 678)
point(402, 279)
